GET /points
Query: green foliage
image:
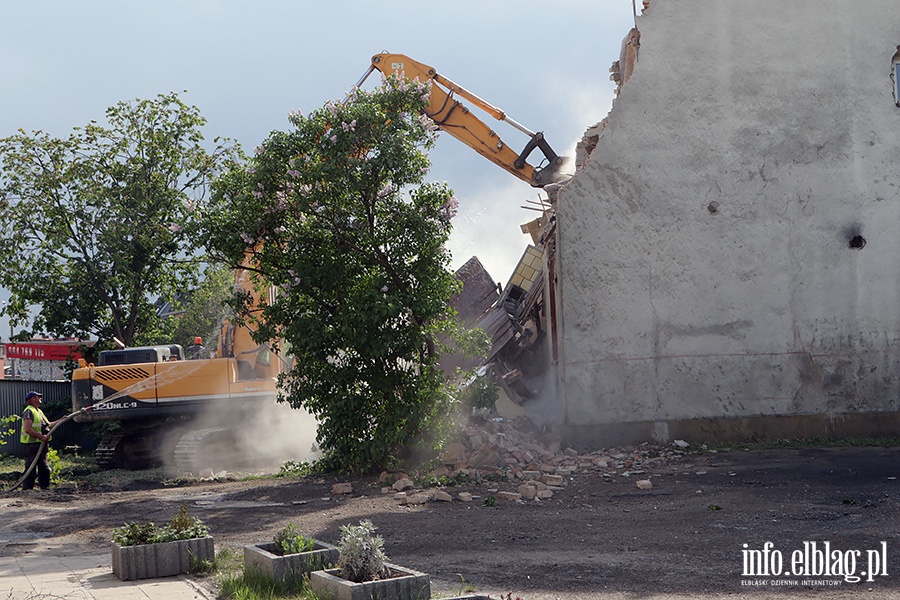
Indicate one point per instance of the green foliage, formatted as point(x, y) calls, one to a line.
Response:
point(181, 527)
point(464, 587)
point(489, 501)
point(203, 310)
point(229, 559)
point(255, 585)
point(55, 464)
point(94, 225)
point(481, 391)
point(65, 466)
point(201, 566)
point(361, 555)
point(7, 427)
point(294, 468)
point(336, 216)
point(135, 534)
point(290, 541)
point(56, 408)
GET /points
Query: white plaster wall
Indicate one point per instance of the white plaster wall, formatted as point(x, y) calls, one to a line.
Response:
point(783, 114)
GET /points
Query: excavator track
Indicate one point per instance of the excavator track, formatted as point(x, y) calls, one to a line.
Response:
point(138, 449)
point(195, 448)
point(105, 453)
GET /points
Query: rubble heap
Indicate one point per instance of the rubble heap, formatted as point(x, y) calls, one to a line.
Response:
point(512, 452)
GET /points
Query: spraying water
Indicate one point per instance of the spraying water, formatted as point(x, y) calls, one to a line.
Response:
point(151, 382)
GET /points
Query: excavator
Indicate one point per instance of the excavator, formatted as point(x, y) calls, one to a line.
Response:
point(452, 116)
point(160, 397)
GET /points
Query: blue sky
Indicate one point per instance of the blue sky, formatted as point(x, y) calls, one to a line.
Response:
point(246, 65)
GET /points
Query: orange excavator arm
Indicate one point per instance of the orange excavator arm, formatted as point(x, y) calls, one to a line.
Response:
point(455, 118)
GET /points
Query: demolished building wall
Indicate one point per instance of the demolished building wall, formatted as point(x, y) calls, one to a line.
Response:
point(726, 255)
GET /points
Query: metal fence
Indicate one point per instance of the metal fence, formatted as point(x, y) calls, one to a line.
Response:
point(57, 403)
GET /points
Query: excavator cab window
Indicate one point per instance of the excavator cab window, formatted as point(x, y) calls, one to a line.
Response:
point(130, 356)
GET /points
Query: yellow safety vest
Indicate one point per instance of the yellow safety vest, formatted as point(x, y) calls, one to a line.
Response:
point(38, 421)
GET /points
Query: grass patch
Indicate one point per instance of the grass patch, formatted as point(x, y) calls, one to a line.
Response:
point(233, 583)
point(82, 470)
point(72, 467)
point(253, 585)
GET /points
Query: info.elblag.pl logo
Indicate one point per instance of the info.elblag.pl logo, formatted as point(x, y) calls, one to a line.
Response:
point(815, 564)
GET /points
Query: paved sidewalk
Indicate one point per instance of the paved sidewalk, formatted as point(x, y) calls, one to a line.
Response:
point(86, 577)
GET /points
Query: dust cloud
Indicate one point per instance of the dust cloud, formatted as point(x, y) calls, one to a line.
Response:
point(290, 434)
point(256, 435)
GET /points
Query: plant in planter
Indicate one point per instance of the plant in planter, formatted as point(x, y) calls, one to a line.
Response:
point(143, 550)
point(290, 556)
point(364, 573)
point(291, 541)
point(362, 555)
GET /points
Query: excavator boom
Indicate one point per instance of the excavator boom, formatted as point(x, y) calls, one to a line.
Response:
point(455, 118)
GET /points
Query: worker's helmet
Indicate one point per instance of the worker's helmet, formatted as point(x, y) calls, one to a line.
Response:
point(198, 340)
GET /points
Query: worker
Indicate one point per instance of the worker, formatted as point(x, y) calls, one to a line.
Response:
point(196, 350)
point(35, 427)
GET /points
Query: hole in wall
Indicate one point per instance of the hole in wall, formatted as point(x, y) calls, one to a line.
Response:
point(858, 242)
point(713, 207)
point(895, 76)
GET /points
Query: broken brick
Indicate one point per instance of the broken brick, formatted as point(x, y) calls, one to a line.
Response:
point(342, 488)
point(510, 496)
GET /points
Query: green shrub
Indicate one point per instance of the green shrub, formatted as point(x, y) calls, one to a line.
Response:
point(361, 552)
point(482, 391)
point(181, 527)
point(7, 427)
point(135, 534)
point(294, 468)
point(291, 541)
point(55, 464)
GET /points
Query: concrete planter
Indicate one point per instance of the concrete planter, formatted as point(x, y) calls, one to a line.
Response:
point(160, 560)
point(406, 585)
point(289, 568)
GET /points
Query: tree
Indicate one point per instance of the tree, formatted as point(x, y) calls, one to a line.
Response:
point(96, 225)
point(335, 215)
point(201, 310)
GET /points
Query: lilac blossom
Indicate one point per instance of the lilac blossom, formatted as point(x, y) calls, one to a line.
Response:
point(386, 190)
point(175, 227)
point(450, 208)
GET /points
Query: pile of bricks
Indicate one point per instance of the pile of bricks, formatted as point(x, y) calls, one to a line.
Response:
point(513, 454)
